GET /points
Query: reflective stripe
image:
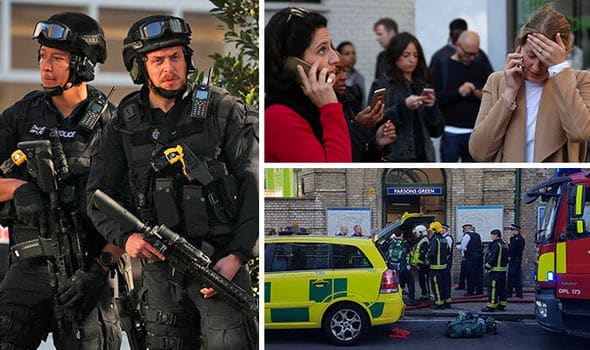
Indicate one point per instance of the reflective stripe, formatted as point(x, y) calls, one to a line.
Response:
point(492, 302)
point(560, 261)
point(545, 265)
point(579, 195)
point(580, 226)
point(437, 295)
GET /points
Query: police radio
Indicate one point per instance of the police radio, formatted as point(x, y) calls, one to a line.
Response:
point(93, 112)
point(201, 99)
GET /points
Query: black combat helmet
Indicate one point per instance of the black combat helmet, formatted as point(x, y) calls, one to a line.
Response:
point(154, 33)
point(78, 34)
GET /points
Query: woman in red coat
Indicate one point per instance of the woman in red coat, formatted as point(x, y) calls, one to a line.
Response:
point(303, 121)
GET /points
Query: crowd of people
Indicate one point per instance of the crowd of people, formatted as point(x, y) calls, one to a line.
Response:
point(481, 115)
point(427, 255)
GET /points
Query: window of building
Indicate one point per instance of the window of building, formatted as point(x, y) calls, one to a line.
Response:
point(18, 58)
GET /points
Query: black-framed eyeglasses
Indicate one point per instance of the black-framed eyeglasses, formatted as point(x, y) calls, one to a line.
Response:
point(298, 12)
point(51, 30)
point(467, 53)
point(156, 29)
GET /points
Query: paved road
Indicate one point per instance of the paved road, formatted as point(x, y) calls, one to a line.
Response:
point(429, 334)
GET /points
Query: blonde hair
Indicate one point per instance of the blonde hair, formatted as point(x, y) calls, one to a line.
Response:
point(547, 21)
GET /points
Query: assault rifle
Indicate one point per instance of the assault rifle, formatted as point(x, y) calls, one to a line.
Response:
point(65, 239)
point(128, 304)
point(181, 254)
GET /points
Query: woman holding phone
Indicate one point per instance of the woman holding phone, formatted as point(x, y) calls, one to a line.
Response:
point(410, 106)
point(303, 121)
point(537, 109)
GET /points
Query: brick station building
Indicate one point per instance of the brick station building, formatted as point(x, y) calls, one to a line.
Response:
point(483, 197)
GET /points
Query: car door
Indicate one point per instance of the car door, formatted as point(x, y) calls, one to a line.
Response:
point(296, 282)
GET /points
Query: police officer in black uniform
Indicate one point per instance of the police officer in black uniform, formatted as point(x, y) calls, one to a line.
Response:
point(33, 300)
point(496, 265)
point(471, 245)
point(217, 210)
point(515, 249)
point(450, 245)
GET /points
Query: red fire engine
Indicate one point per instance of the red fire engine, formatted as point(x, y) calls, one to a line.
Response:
point(562, 291)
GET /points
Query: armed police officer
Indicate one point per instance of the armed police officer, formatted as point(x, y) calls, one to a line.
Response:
point(215, 208)
point(58, 279)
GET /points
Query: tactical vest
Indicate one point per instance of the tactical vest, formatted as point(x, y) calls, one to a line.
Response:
point(78, 145)
point(34, 123)
point(194, 209)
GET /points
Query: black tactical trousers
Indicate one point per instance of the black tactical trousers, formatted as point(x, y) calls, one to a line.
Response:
point(176, 317)
point(26, 314)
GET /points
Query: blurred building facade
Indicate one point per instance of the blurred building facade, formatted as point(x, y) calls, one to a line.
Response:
point(19, 72)
point(388, 193)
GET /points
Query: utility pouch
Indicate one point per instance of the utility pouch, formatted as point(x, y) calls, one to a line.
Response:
point(165, 203)
point(195, 211)
point(222, 194)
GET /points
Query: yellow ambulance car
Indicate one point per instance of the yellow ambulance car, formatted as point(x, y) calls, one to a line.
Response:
point(341, 285)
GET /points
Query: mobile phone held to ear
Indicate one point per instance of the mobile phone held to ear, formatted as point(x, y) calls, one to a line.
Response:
point(378, 95)
point(292, 63)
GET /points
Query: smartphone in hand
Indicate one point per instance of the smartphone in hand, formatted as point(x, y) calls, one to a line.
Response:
point(378, 96)
point(292, 63)
point(427, 92)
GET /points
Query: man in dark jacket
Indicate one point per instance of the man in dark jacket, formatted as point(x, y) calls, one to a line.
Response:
point(58, 280)
point(496, 265)
point(471, 245)
point(515, 249)
point(216, 210)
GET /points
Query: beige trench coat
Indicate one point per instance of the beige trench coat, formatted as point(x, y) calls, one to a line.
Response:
point(563, 121)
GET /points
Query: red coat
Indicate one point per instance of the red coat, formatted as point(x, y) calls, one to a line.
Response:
point(289, 138)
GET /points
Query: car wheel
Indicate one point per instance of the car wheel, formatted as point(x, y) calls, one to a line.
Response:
point(345, 324)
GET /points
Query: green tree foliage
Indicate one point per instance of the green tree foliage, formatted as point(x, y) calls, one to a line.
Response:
point(237, 70)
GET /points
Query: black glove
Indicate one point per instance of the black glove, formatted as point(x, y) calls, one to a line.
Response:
point(30, 206)
point(84, 288)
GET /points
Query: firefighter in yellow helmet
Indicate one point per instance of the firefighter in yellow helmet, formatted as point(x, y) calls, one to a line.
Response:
point(437, 258)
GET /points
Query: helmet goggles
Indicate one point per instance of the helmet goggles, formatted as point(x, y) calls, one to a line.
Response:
point(51, 30)
point(156, 29)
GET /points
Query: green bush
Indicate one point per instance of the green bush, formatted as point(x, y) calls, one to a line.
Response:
point(237, 70)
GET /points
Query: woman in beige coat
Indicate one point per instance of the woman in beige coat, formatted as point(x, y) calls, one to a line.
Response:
point(537, 109)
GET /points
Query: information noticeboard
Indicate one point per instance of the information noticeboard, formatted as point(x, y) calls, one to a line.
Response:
point(337, 217)
point(484, 218)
